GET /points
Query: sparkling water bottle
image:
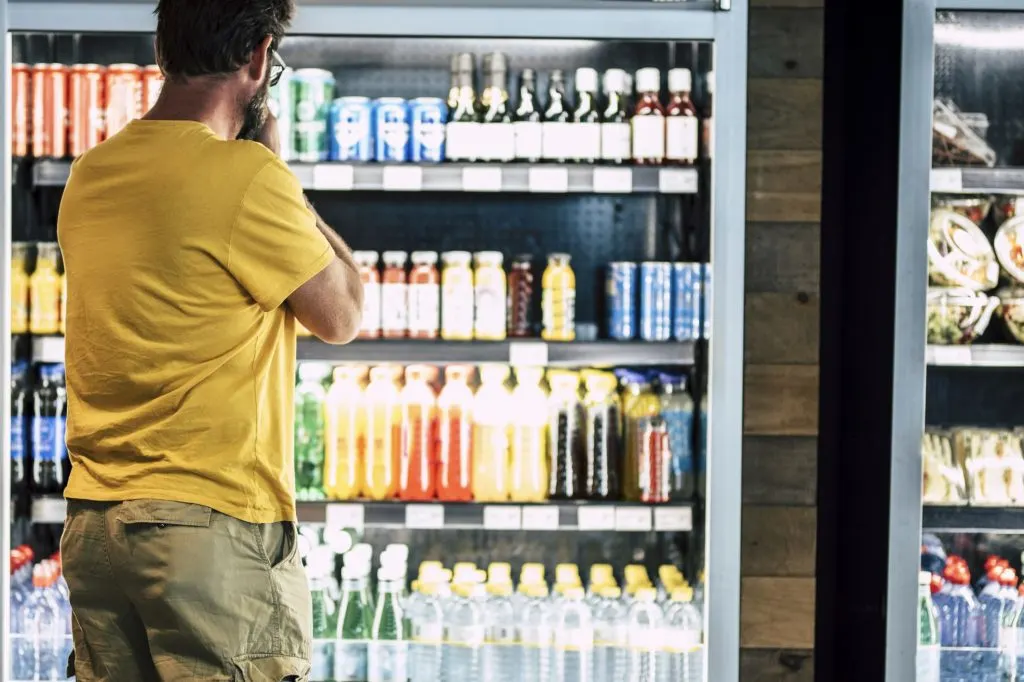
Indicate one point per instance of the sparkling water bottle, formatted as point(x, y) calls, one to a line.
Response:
point(533, 630)
point(388, 650)
point(574, 638)
point(645, 631)
point(500, 653)
point(610, 652)
point(464, 634)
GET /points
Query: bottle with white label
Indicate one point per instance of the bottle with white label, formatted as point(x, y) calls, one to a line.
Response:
point(370, 277)
point(463, 129)
point(497, 137)
point(457, 296)
point(586, 130)
point(680, 120)
point(557, 124)
point(527, 120)
point(424, 296)
point(394, 296)
point(648, 119)
point(616, 136)
point(489, 291)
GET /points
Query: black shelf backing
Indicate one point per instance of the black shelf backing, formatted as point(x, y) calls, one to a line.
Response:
point(956, 519)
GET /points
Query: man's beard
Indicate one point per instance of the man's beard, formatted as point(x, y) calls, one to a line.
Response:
point(255, 114)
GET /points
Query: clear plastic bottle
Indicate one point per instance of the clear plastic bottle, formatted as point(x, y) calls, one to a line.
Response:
point(639, 406)
point(611, 658)
point(455, 436)
point(309, 431)
point(388, 651)
point(533, 631)
point(319, 564)
point(427, 630)
point(491, 415)
point(418, 470)
point(677, 411)
point(345, 435)
point(19, 288)
point(369, 274)
point(456, 296)
point(573, 638)
point(601, 438)
point(355, 621)
point(464, 633)
point(683, 641)
point(43, 632)
point(500, 655)
point(529, 467)
point(645, 635)
point(565, 436)
point(489, 290)
point(384, 433)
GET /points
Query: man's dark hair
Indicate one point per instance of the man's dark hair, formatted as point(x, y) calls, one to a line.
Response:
point(212, 37)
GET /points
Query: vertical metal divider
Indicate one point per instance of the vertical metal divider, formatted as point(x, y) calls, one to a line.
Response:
point(5, 341)
point(909, 370)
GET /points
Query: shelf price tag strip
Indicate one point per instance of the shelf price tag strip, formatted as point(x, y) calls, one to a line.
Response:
point(673, 519)
point(549, 180)
point(596, 518)
point(403, 179)
point(947, 180)
point(528, 354)
point(613, 180)
point(636, 519)
point(333, 176)
point(951, 355)
point(502, 517)
point(540, 518)
point(424, 516)
point(346, 516)
point(481, 179)
point(677, 181)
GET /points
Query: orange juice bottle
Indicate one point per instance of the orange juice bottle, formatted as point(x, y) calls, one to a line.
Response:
point(44, 286)
point(345, 435)
point(417, 475)
point(529, 468)
point(454, 436)
point(558, 299)
point(491, 412)
point(383, 432)
point(19, 288)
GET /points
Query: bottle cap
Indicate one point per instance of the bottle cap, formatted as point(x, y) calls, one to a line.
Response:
point(573, 593)
point(680, 80)
point(531, 573)
point(460, 258)
point(636, 574)
point(493, 374)
point(365, 258)
point(537, 591)
point(499, 589)
point(424, 257)
point(924, 578)
point(528, 76)
point(682, 594)
point(567, 574)
point(610, 592)
point(711, 82)
point(601, 574)
point(557, 76)
point(561, 258)
point(491, 258)
point(499, 572)
point(648, 80)
point(466, 63)
point(615, 80)
point(495, 62)
point(530, 376)
point(586, 79)
point(395, 258)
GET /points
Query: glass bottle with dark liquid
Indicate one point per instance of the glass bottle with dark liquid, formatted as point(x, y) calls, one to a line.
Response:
point(602, 440)
point(680, 120)
point(527, 120)
point(565, 437)
point(48, 421)
point(557, 120)
point(497, 136)
point(463, 129)
point(521, 316)
point(648, 119)
point(19, 416)
point(586, 127)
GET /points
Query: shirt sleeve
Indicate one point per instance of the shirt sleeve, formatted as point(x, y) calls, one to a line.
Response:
point(275, 246)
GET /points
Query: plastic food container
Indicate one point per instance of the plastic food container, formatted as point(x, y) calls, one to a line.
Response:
point(958, 315)
point(943, 480)
point(959, 254)
point(1011, 309)
point(994, 464)
point(1009, 248)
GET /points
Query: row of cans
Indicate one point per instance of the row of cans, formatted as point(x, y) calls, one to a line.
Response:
point(658, 301)
point(60, 110)
point(316, 126)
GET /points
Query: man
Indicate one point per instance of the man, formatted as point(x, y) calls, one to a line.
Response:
point(190, 255)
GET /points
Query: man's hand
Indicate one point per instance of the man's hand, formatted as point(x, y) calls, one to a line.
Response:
point(269, 136)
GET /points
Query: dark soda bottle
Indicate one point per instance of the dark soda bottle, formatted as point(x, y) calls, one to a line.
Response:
point(49, 453)
point(602, 440)
point(566, 448)
point(19, 417)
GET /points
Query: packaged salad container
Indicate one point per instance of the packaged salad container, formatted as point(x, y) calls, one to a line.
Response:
point(958, 315)
point(1009, 248)
point(1011, 310)
point(943, 480)
point(959, 253)
point(994, 465)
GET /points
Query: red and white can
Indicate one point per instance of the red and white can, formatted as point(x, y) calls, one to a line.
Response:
point(86, 107)
point(124, 96)
point(21, 112)
point(49, 111)
point(152, 83)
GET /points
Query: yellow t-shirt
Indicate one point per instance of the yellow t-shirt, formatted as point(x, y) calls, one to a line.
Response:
point(180, 250)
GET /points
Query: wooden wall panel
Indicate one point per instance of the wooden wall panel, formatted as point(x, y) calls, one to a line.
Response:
point(777, 613)
point(780, 400)
point(780, 470)
point(776, 665)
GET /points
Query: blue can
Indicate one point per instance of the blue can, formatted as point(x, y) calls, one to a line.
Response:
point(655, 301)
point(429, 117)
point(621, 301)
point(687, 283)
point(706, 307)
point(391, 129)
point(348, 125)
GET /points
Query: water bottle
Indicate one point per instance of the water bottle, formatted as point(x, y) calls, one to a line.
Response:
point(388, 651)
point(645, 631)
point(533, 631)
point(500, 655)
point(574, 638)
point(928, 668)
point(685, 626)
point(48, 422)
point(610, 643)
point(62, 600)
point(355, 621)
point(43, 632)
point(23, 665)
point(319, 564)
point(427, 632)
point(19, 440)
point(464, 634)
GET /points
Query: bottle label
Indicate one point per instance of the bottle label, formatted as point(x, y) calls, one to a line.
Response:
point(498, 142)
point(648, 137)
point(44, 317)
point(529, 140)
point(616, 142)
point(463, 141)
point(350, 663)
point(424, 308)
point(371, 308)
point(557, 141)
point(48, 438)
point(394, 307)
point(322, 659)
point(17, 438)
point(681, 138)
point(19, 305)
point(490, 311)
point(928, 664)
point(457, 311)
point(586, 141)
point(464, 635)
point(680, 435)
point(388, 662)
point(559, 312)
point(428, 633)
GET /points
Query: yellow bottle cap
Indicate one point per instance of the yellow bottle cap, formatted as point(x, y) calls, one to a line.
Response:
point(610, 592)
point(636, 573)
point(601, 574)
point(499, 572)
point(682, 594)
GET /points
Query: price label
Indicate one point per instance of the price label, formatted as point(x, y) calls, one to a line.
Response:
point(424, 516)
point(346, 516)
point(502, 517)
point(549, 180)
point(613, 180)
point(540, 518)
point(596, 518)
point(403, 178)
point(49, 510)
point(951, 355)
point(636, 519)
point(673, 519)
point(481, 179)
point(335, 176)
point(947, 180)
point(677, 181)
point(528, 354)
point(48, 349)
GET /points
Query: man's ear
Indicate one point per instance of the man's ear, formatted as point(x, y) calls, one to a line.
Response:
point(259, 60)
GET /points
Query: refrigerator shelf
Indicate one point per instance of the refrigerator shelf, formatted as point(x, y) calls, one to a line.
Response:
point(965, 519)
point(970, 180)
point(982, 355)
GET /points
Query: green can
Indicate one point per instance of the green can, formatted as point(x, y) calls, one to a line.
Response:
point(312, 94)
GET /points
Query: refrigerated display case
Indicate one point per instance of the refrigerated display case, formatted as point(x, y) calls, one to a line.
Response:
point(633, 242)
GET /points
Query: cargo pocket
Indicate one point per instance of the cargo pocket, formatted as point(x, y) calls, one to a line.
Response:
point(163, 513)
point(256, 668)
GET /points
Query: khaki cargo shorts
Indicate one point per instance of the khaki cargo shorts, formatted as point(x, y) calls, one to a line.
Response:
point(172, 592)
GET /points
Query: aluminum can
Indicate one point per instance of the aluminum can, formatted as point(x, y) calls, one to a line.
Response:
point(152, 84)
point(124, 96)
point(429, 117)
point(706, 306)
point(655, 301)
point(87, 101)
point(280, 105)
point(350, 138)
point(687, 283)
point(391, 129)
point(621, 300)
point(312, 94)
point(21, 116)
point(50, 111)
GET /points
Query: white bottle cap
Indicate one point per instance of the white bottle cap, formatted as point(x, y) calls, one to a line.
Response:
point(492, 258)
point(365, 257)
point(313, 371)
point(648, 80)
point(394, 258)
point(711, 82)
point(586, 79)
point(680, 80)
point(424, 257)
point(456, 257)
point(615, 81)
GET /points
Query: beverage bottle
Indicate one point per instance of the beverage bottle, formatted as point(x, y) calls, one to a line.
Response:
point(394, 296)
point(491, 414)
point(355, 622)
point(44, 292)
point(602, 443)
point(928, 639)
point(990, 601)
point(489, 291)
point(616, 135)
point(601, 576)
point(557, 125)
point(345, 435)
point(639, 406)
point(680, 120)
point(424, 296)
point(529, 467)
point(521, 313)
point(464, 633)
point(611, 651)
point(388, 651)
point(384, 433)
point(683, 638)
point(677, 411)
point(565, 437)
point(19, 288)
point(463, 132)
point(533, 631)
point(43, 632)
point(702, 449)
point(418, 470)
point(707, 122)
point(586, 128)
point(648, 119)
point(427, 633)
point(319, 564)
point(370, 327)
point(49, 417)
point(61, 595)
point(573, 638)
point(501, 653)
point(655, 462)
point(558, 299)
point(456, 296)
point(526, 120)
point(454, 441)
point(645, 635)
point(23, 655)
point(497, 136)
point(310, 399)
point(19, 430)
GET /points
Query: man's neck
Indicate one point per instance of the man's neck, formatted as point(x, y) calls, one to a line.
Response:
point(200, 100)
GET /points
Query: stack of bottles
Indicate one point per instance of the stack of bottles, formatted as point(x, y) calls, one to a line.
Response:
point(464, 623)
point(555, 435)
point(40, 618)
point(39, 457)
point(38, 304)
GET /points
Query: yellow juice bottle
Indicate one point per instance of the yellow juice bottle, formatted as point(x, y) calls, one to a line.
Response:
point(384, 433)
point(529, 467)
point(44, 286)
point(489, 291)
point(457, 296)
point(19, 288)
point(558, 299)
point(490, 436)
point(345, 435)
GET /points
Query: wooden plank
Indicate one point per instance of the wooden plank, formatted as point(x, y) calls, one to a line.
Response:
point(776, 665)
point(786, 43)
point(779, 541)
point(781, 329)
point(783, 257)
point(780, 400)
point(784, 113)
point(780, 470)
point(784, 186)
point(777, 613)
